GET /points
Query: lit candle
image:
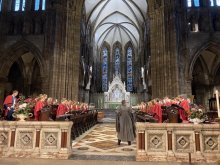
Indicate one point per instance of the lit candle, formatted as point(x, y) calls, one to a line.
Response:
point(217, 101)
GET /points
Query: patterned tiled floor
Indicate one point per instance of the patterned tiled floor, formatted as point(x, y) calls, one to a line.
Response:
point(101, 140)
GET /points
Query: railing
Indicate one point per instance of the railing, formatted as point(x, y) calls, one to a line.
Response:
point(35, 139)
point(178, 142)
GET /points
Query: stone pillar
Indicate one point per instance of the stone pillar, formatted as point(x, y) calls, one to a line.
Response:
point(64, 45)
point(163, 49)
point(168, 47)
point(13, 5)
point(28, 6)
point(73, 48)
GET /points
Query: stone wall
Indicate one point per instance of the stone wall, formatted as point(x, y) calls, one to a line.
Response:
point(174, 142)
point(35, 139)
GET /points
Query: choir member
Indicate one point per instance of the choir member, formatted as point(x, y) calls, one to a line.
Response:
point(9, 105)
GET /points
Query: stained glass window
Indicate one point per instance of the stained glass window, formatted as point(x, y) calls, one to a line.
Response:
point(218, 2)
point(105, 69)
point(129, 70)
point(37, 5)
point(189, 3)
point(0, 5)
point(23, 5)
point(212, 2)
point(17, 5)
point(196, 3)
point(117, 61)
point(43, 4)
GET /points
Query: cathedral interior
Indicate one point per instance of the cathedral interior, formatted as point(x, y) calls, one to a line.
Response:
point(75, 48)
point(101, 52)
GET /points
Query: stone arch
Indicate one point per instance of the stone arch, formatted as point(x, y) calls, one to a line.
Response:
point(201, 71)
point(15, 51)
point(196, 55)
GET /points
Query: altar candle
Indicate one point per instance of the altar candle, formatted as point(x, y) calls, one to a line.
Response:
point(217, 101)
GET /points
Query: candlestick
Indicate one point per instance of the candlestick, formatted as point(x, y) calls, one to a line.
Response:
point(217, 101)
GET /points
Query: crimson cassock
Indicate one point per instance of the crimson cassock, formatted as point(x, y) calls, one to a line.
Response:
point(61, 110)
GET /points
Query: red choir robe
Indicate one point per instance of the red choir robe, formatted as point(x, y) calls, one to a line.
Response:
point(61, 110)
point(185, 105)
point(38, 106)
point(8, 103)
point(158, 111)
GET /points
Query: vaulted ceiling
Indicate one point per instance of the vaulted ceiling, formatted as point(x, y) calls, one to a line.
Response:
point(116, 20)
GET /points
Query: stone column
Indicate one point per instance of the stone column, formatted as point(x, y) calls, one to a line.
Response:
point(65, 49)
point(167, 46)
point(28, 5)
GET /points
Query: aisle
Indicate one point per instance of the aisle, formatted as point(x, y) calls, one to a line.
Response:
point(100, 143)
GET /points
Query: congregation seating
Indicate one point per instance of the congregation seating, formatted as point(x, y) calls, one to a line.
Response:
point(146, 117)
point(82, 121)
point(170, 114)
point(48, 113)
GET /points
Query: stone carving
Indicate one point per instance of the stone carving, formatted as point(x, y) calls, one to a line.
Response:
point(25, 140)
point(211, 143)
point(50, 140)
point(156, 142)
point(116, 92)
point(183, 143)
point(3, 138)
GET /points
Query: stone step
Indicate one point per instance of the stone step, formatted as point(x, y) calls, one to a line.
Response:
point(102, 157)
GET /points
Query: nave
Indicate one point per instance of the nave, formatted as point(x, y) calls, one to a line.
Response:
point(100, 143)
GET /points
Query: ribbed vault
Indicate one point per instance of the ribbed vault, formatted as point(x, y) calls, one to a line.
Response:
point(116, 20)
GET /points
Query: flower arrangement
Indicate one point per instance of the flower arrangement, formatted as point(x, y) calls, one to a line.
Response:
point(197, 114)
point(24, 106)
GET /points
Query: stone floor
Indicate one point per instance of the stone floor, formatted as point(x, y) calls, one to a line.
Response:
point(100, 143)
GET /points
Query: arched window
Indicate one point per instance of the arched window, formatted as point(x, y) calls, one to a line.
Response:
point(23, 5)
point(40, 5)
point(0, 5)
point(189, 3)
point(20, 5)
point(211, 2)
point(218, 2)
point(104, 69)
point(196, 3)
point(43, 4)
point(129, 70)
point(37, 5)
point(17, 5)
point(117, 61)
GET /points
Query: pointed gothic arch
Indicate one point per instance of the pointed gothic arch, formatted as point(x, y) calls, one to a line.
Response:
point(15, 51)
point(14, 55)
point(210, 46)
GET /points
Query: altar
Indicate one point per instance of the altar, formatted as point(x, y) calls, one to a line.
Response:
point(116, 93)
